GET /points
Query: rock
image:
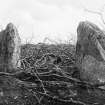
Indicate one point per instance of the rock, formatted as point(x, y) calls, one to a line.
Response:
point(92, 70)
point(9, 48)
point(90, 53)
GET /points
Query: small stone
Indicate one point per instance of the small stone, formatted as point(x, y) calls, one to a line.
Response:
point(1, 93)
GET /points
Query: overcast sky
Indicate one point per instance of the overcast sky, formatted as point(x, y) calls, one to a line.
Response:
point(56, 19)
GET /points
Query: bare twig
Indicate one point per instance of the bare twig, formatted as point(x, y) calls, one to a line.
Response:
point(100, 13)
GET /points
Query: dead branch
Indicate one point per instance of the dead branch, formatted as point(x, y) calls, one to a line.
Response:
point(97, 13)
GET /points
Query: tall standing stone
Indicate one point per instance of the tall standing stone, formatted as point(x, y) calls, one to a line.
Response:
point(9, 48)
point(90, 53)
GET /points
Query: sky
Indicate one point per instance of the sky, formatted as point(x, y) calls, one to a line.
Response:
point(54, 19)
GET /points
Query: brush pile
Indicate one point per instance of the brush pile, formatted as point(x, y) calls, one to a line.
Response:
point(48, 75)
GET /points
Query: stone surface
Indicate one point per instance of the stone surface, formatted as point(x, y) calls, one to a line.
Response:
point(90, 54)
point(9, 48)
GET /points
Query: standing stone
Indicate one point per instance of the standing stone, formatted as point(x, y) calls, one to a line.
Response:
point(90, 53)
point(9, 48)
